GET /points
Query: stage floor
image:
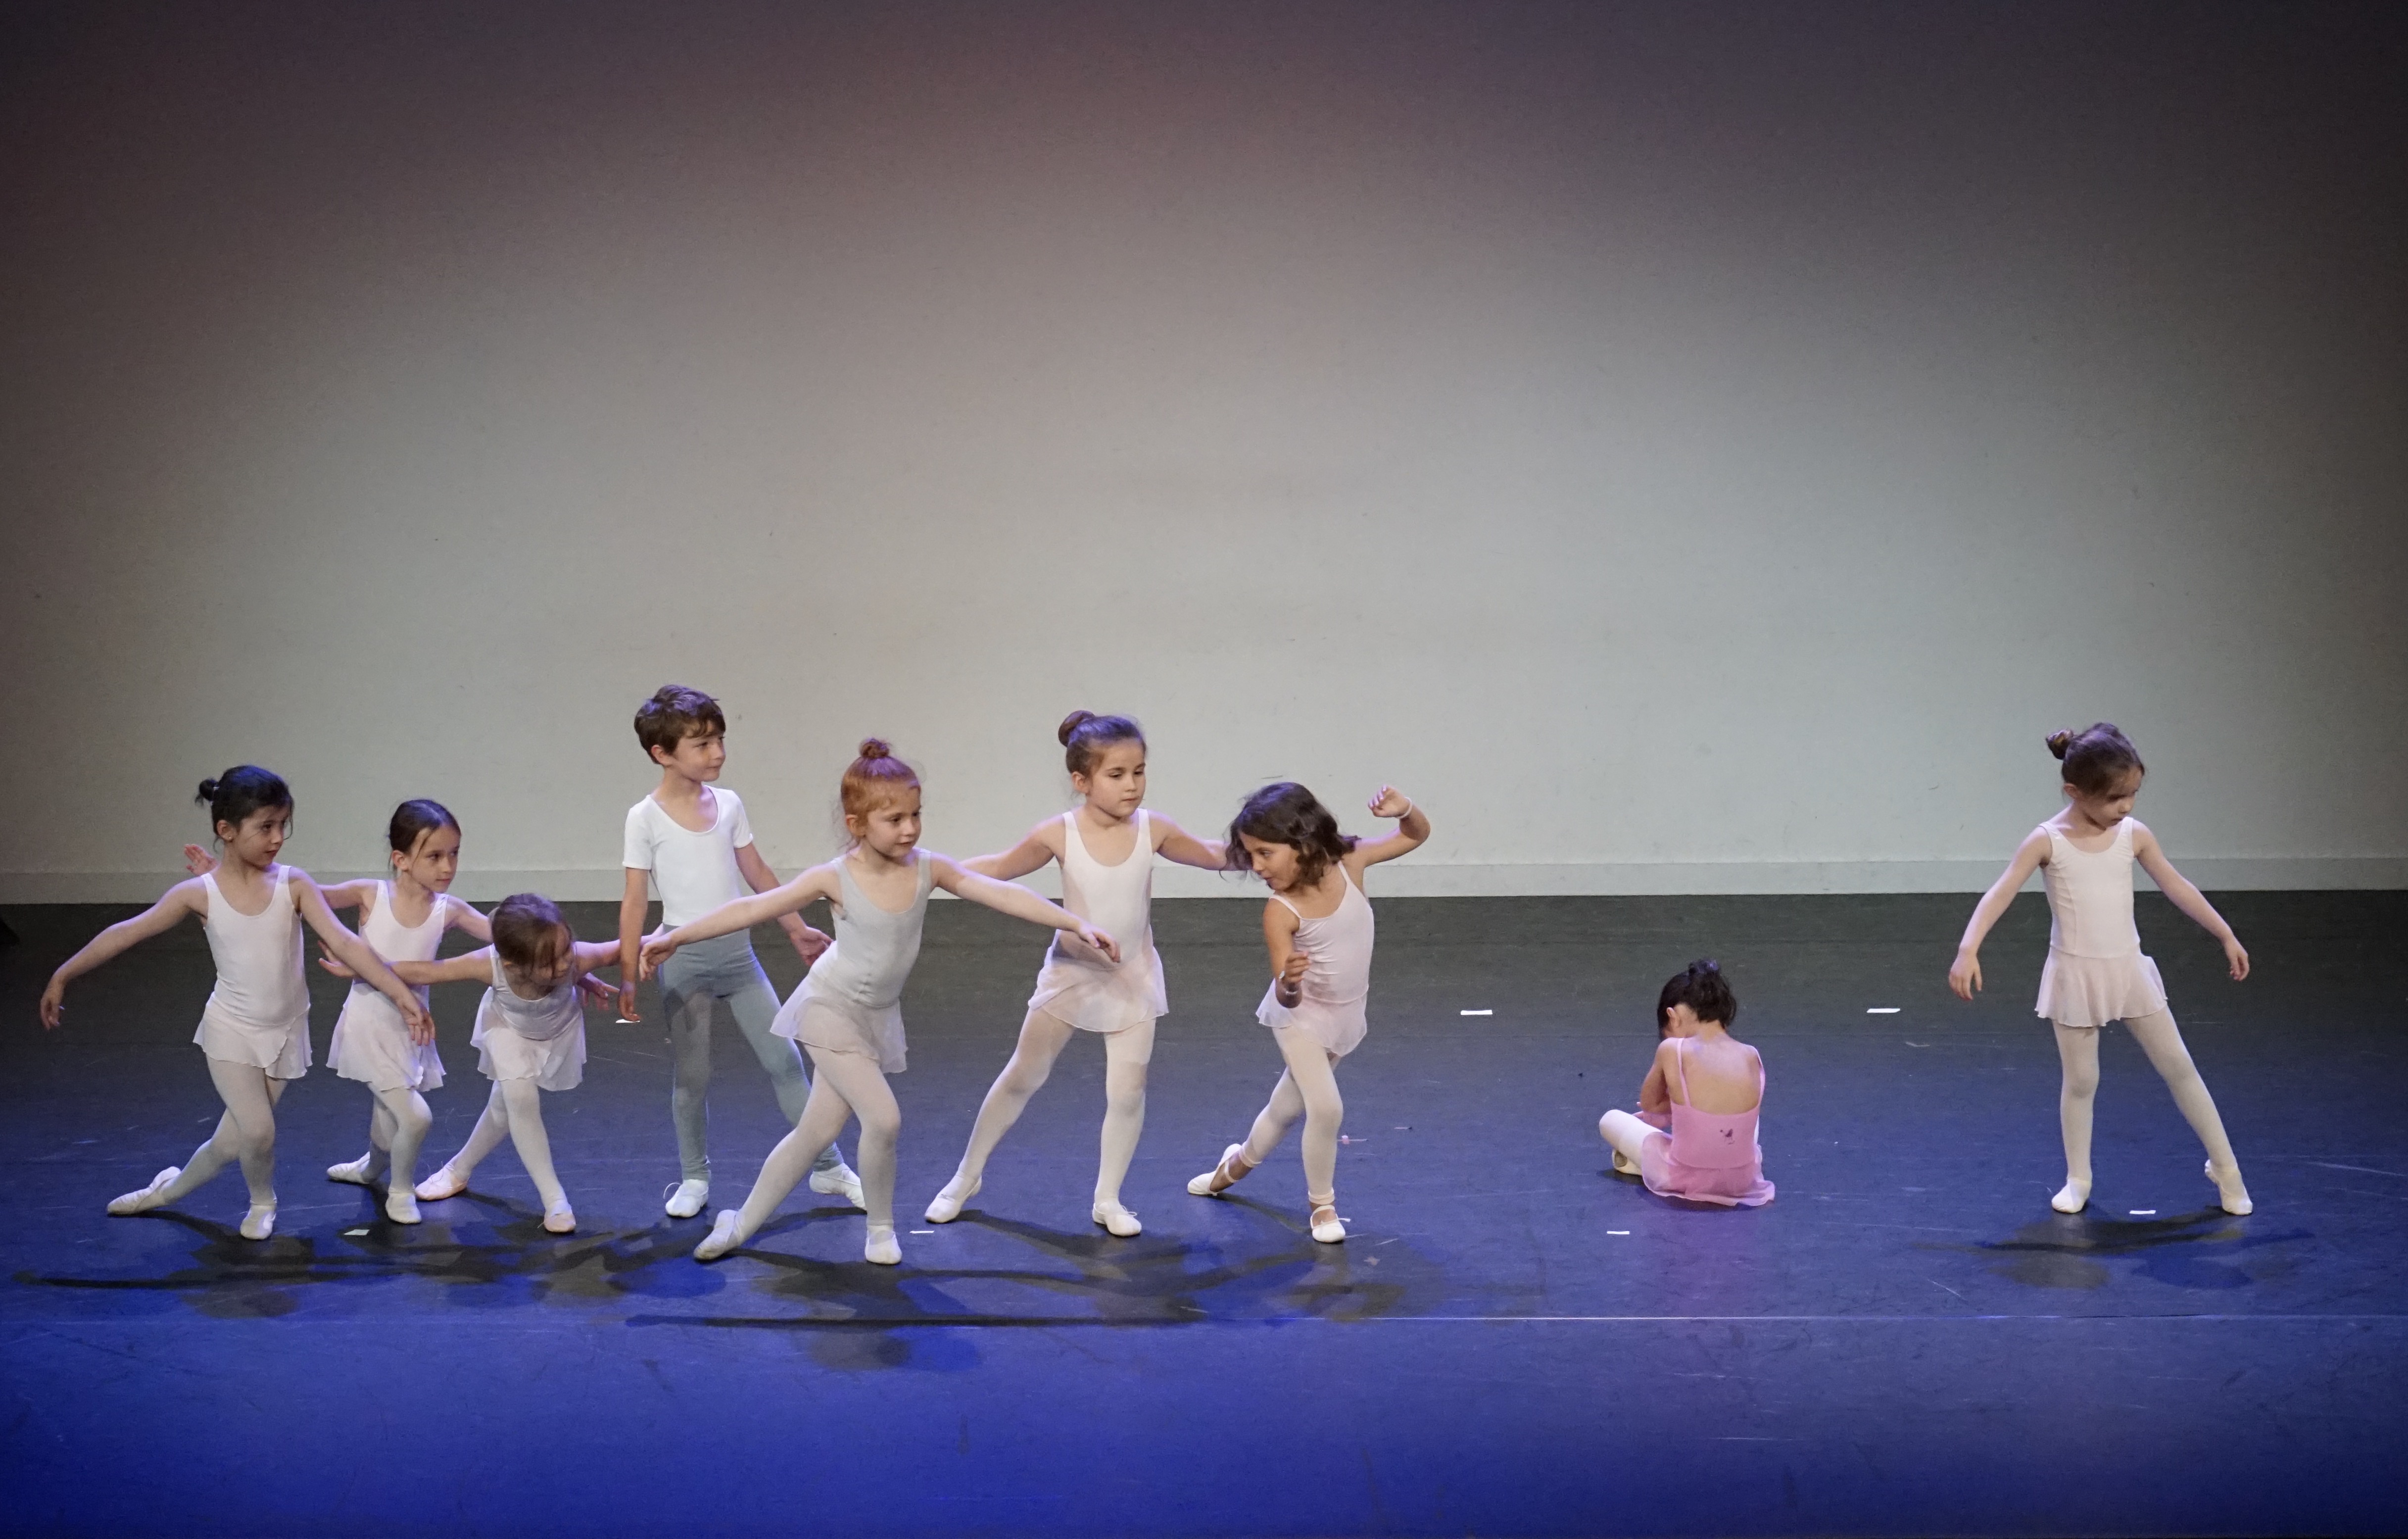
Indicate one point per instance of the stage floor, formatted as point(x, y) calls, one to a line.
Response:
point(1514, 1342)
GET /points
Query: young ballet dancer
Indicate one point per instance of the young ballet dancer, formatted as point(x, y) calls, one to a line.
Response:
point(1106, 847)
point(1695, 1136)
point(1318, 926)
point(846, 1011)
point(255, 1028)
point(402, 920)
point(690, 840)
point(530, 1037)
point(2096, 971)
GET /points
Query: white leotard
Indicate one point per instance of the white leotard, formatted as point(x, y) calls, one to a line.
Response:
point(1336, 977)
point(258, 1012)
point(542, 1039)
point(1080, 984)
point(851, 1001)
point(2095, 972)
point(371, 1040)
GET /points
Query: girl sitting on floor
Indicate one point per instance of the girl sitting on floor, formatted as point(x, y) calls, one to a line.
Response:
point(1708, 1088)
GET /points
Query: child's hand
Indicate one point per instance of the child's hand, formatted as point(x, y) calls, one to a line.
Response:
point(1391, 802)
point(1291, 972)
point(54, 1003)
point(627, 1003)
point(1102, 941)
point(1965, 977)
point(659, 946)
point(2236, 957)
point(197, 861)
point(421, 1024)
point(809, 943)
point(597, 992)
point(332, 963)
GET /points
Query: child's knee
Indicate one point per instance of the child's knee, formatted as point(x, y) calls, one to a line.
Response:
point(884, 1124)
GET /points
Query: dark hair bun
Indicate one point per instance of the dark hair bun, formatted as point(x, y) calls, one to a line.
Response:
point(1071, 723)
point(876, 748)
point(2059, 741)
point(209, 790)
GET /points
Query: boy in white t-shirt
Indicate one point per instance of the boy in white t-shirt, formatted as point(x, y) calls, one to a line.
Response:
point(692, 842)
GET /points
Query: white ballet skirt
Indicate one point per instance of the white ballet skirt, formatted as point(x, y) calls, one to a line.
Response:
point(371, 1043)
point(2096, 971)
point(1337, 981)
point(1079, 986)
point(542, 1040)
point(258, 1012)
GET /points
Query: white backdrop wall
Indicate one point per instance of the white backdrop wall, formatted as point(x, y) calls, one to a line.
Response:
point(1689, 448)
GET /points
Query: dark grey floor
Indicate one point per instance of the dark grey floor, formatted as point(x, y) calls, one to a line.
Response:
point(1907, 1341)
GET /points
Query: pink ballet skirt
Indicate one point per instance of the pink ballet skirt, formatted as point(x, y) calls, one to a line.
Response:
point(2094, 990)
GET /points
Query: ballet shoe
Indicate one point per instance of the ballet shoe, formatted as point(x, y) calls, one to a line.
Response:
point(401, 1206)
point(560, 1218)
point(689, 1199)
point(839, 1180)
point(1118, 1220)
point(881, 1248)
point(946, 1205)
point(355, 1172)
point(1622, 1165)
point(1327, 1227)
point(147, 1197)
point(722, 1238)
point(1220, 1177)
point(259, 1223)
point(2233, 1199)
point(442, 1184)
point(2073, 1197)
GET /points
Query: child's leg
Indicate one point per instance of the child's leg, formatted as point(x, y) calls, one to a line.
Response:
point(685, 1000)
point(824, 1116)
point(453, 1178)
point(523, 1109)
point(245, 1134)
point(1312, 1070)
point(862, 1086)
point(1042, 1037)
point(1627, 1133)
point(403, 1118)
point(369, 1169)
point(1271, 1123)
point(2161, 1040)
point(1126, 1056)
point(2077, 1050)
point(754, 1005)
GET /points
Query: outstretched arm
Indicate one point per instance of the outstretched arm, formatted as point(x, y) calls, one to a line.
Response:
point(184, 897)
point(2184, 896)
point(1178, 845)
point(806, 941)
point(467, 921)
point(1029, 855)
point(361, 957)
point(1412, 830)
point(469, 967)
point(741, 913)
point(1004, 897)
point(1965, 973)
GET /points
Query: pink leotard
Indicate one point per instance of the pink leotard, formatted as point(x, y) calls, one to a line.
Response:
point(1707, 1156)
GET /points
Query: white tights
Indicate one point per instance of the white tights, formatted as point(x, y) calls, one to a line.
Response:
point(514, 1108)
point(2077, 1047)
point(843, 1085)
point(245, 1134)
point(1042, 1037)
point(397, 1128)
point(1308, 1088)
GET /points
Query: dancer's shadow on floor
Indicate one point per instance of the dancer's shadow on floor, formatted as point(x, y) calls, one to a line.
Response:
point(2206, 1250)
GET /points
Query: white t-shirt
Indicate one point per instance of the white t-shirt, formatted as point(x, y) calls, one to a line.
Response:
point(693, 873)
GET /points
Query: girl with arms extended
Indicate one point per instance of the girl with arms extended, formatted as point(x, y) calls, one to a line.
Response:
point(530, 1038)
point(1318, 927)
point(1107, 847)
point(255, 1028)
point(845, 1013)
point(2096, 971)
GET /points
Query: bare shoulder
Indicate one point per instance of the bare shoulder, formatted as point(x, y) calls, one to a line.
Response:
point(1049, 834)
point(2036, 844)
point(1277, 916)
point(2140, 834)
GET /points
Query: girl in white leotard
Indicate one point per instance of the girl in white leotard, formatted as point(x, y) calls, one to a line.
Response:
point(1318, 927)
point(255, 1029)
point(2096, 971)
point(847, 1012)
point(1107, 846)
point(530, 1038)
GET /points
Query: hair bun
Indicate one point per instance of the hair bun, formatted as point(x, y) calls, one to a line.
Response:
point(1705, 966)
point(876, 748)
point(2058, 742)
point(1071, 723)
point(209, 790)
